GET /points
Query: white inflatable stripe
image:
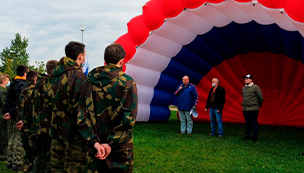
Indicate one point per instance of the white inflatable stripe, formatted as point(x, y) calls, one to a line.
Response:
point(161, 45)
point(232, 11)
point(256, 12)
point(211, 15)
point(167, 32)
point(143, 76)
point(143, 112)
point(192, 22)
point(153, 56)
point(145, 94)
point(299, 26)
point(150, 60)
point(281, 19)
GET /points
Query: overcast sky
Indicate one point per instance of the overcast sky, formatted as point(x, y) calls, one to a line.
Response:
point(50, 25)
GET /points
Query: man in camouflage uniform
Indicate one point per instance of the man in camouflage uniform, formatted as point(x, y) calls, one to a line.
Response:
point(4, 80)
point(25, 112)
point(62, 94)
point(15, 151)
point(107, 112)
point(42, 120)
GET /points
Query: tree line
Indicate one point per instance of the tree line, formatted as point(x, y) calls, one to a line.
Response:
point(15, 55)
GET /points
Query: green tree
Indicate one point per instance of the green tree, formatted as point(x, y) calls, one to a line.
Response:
point(40, 67)
point(16, 55)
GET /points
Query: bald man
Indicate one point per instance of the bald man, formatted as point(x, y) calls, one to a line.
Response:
point(215, 104)
point(187, 99)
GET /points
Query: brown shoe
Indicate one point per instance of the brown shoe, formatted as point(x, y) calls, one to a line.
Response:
point(189, 133)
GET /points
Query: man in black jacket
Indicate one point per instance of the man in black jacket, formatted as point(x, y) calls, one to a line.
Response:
point(15, 149)
point(216, 101)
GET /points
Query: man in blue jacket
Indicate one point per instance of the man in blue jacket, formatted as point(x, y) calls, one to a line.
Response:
point(187, 100)
point(15, 149)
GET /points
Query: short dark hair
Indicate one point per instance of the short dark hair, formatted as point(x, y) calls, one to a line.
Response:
point(114, 53)
point(21, 69)
point(50, 66)
point(31, 75)
point(73, 49)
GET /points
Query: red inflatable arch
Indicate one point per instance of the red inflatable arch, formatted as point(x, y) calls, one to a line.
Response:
point(224, 39)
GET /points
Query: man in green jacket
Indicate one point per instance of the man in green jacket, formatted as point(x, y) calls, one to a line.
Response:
point(62, 94)
point(107, 113)
point(24, 108)
point(42, 120)
point(4, 81)
point(252, 101)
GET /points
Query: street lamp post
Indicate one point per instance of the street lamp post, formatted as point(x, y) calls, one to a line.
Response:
point(82, 28)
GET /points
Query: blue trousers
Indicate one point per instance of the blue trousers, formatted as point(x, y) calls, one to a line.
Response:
point(216, 117)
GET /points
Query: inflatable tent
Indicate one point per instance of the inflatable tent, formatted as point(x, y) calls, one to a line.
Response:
point(219, 38)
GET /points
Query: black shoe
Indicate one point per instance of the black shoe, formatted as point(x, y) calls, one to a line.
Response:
point(246, 137)
point(302, 154)
point(16, 167)
point(9, 165)
point(254, 139)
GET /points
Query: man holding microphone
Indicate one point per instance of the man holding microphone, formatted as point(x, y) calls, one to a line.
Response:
point(187, 100)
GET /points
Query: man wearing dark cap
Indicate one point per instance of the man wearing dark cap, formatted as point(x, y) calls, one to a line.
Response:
point(252, 101)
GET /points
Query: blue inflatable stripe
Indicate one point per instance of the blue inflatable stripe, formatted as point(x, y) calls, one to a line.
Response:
point(218, 43)
point(302, 50)
point(230, 34)
point(159, 113)
point(253, 36)
point(199, 47)
point(167, 83)
point(271, 38)
point(291, 42)
point(174, 102)
point(179, 70)
point(190, 59)
point(161, 97)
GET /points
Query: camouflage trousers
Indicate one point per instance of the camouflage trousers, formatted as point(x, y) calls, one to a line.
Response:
point(116, 162)
point(29, 144)
point(15, 151)
point(42, 161)
point(3, 138)
point(68, 156)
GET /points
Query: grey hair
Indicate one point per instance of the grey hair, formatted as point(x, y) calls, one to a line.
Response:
point(218, 81)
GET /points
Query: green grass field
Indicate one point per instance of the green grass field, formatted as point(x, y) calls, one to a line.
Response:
point(159, 148)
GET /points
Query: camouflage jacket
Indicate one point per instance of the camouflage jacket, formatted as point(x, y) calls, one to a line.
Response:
point(108, 108)
point(2, 100)
point(62, 94)
point(41, 115)
point(24, 109)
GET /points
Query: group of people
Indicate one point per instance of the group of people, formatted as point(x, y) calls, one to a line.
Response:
point(188, 100)
point(66, 121)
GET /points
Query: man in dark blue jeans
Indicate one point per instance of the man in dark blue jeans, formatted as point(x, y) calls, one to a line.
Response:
point(252, 101)
point(216, 101)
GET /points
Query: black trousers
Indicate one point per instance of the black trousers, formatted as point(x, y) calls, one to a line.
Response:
point(251, 118)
